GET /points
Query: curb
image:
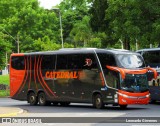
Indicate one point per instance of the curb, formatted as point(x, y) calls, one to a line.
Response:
point(12, 113)
point(5, 97)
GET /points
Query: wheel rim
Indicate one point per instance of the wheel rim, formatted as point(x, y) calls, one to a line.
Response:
point(41, 99)
point(32, 99)
point(98, 102)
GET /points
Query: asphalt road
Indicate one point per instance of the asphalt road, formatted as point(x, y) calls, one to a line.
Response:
point(84, 110)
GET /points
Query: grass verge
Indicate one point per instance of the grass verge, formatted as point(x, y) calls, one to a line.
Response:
point(4, 79)
point(4, 93)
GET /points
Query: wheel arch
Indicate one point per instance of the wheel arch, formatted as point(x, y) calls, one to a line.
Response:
point(40, 91)
point(30, 91)
point(94, 94)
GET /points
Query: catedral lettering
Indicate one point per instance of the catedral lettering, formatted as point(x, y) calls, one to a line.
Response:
point(97, 76)
point(61, 74)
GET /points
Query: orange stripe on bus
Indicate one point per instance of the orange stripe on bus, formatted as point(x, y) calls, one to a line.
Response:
point(43, 79)
point(39, 78)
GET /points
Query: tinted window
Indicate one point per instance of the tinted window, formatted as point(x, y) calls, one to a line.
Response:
point(112, 78)
point(106, 59)
point(75, 61)
point(61, 62)
point(17, 62)
point(48, 62)
point(152, 58)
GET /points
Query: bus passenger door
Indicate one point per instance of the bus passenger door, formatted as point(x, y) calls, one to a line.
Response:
point(112, 80)
point(112, 77)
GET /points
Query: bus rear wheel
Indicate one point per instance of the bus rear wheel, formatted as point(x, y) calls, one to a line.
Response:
point(98, 102)
point(42, 99)
point(32, 99)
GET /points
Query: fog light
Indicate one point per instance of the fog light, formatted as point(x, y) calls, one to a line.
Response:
point(116, 100)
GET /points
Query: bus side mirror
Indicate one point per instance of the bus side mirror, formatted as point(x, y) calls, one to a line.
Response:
point(155, 73)
point(150, 76)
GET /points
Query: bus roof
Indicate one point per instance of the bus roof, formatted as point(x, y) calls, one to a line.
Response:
point(78, 50)
point(149, 49)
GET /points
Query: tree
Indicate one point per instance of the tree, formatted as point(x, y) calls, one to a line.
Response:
point(124, 16)
point(4, 48)
point(81, 32)
point(72, 12)
point(149, 22)
point(31, 23)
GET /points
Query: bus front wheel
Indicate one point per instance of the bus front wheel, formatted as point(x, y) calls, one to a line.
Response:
point(64, 103)
point(42, 99)
point(32, 99)
point(123, 106)
point(98, 102)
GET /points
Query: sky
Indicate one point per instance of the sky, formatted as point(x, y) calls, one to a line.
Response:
point(48, 4)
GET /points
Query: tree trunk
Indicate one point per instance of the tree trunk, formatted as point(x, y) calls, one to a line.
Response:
point(126, 43)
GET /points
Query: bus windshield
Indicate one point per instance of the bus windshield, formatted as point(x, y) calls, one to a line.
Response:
point(130, 61)
point(135, 83)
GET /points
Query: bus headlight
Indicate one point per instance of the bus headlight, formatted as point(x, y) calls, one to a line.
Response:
point(148, 95)
point(123, 95)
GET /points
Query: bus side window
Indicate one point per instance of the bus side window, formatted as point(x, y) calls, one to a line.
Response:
point(17, 62)
point(48, 62)
point(74, 61)
point(62, 62)
point(112, 79)
point(106, 59)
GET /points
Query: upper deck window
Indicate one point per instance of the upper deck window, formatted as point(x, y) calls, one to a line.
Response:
point(106, 59)
point(76, 61)
point(48, 62)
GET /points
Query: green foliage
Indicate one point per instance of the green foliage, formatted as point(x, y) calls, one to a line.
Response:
point(4, 79)
point(4, 48)
point(81, 32)
point(4, 93)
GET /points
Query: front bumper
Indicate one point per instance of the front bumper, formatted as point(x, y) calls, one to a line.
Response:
point(125, 98)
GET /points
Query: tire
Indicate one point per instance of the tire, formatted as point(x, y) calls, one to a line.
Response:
point(64, 103)
point(123, 106)
point(152, 101)
point(42, 99)
point(32, 99)
point(98, 102)
point(55, 103)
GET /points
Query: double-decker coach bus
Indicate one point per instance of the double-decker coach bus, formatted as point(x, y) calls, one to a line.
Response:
point(97, 76)
point(152, 59)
